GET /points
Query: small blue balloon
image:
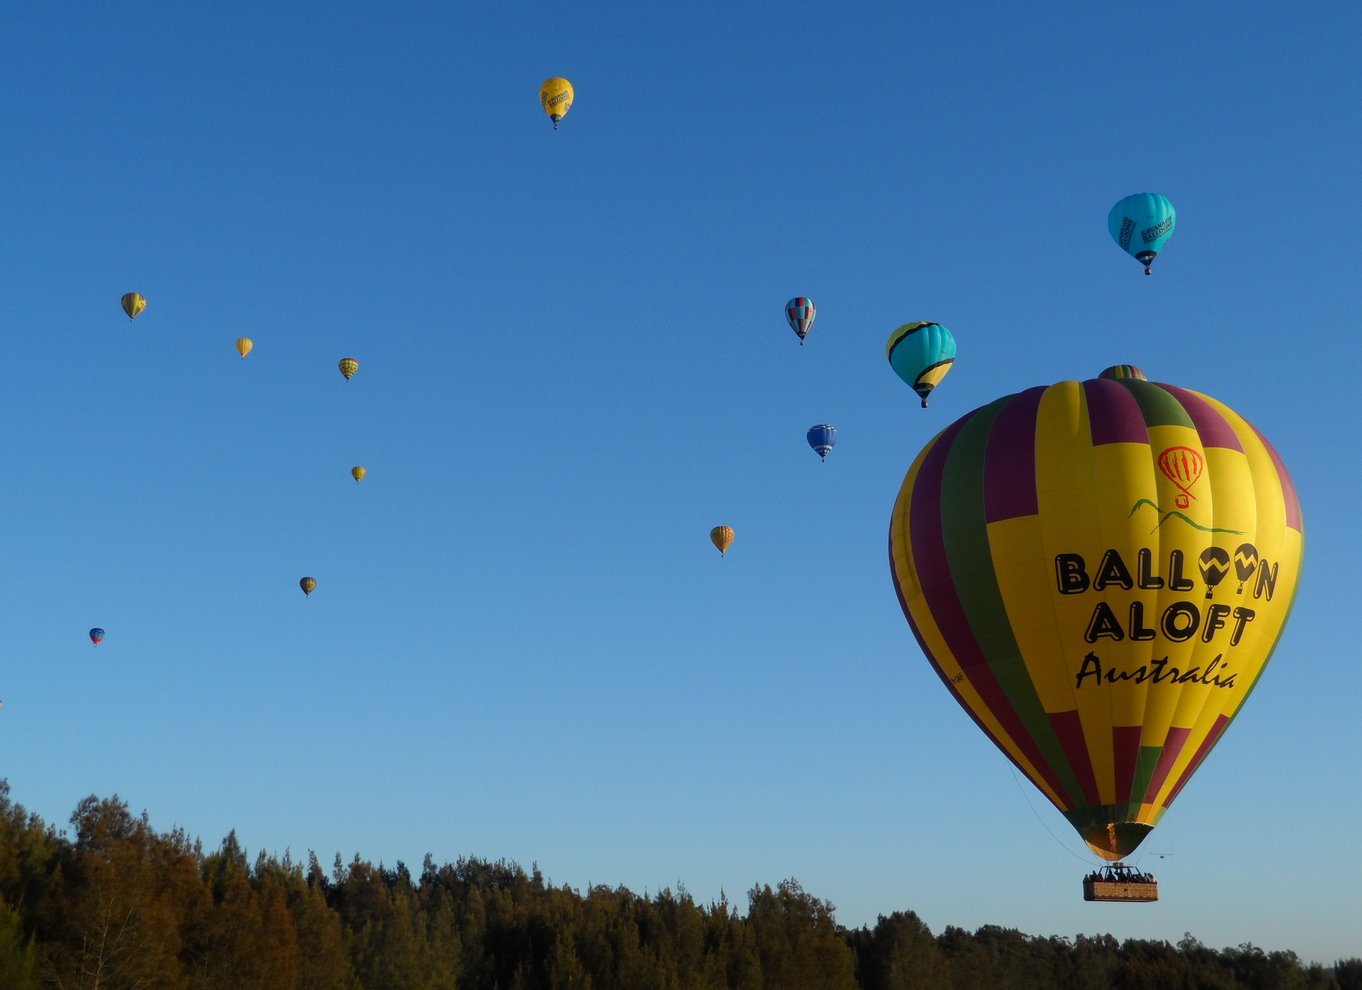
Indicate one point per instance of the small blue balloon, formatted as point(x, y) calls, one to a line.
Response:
point(1141, 224)
point(822, 438)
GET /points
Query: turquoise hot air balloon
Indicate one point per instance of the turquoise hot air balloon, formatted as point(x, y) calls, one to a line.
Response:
point(1141, 224)
point(822, 438)
point(921, 354)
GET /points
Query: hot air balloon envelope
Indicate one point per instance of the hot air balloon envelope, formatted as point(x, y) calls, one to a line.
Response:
point(722, 538)
point(133, 304)
point(921, 354)
point(348, 367)
point(96, 635)
point(555, 96)
point(1117, 371)
point(799, 312)
point(357, 472)
point(1141, 224)
point(308, 585)
point(1099, 572)
point(244, 345)
point(822, 438)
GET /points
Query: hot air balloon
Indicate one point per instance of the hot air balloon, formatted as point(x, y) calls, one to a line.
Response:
point(1099, 572)
point(800, 312)
point(1141, 224)
point(722, 538)
point(921, 354)
point(133, 304)
point(308, 585)
point(1117, 371)
point(556, 98)
point(822, 438)
point(357, 472)
point(96, 635)
point(348, 367)
point(244, 345)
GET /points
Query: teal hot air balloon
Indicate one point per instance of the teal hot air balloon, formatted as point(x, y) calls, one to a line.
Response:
point(921, 354)
point(822, 438)
point(1141, 224)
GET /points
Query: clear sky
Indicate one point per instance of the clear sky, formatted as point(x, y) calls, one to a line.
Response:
point(574, 362)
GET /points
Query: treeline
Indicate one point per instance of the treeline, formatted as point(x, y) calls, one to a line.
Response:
point(119, 906)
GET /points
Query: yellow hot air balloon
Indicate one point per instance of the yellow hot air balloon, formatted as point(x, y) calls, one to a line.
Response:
point(308, 585)
point(357, 472)
point(133, 304)
point(1099, 572)
point(722, 538)
point(556, 98)
point(244, 345)
point(348, 367)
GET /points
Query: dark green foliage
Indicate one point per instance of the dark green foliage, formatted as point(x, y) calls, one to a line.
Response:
point(120, 906)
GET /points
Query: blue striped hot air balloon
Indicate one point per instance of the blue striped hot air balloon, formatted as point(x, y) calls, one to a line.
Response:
point(822, 438)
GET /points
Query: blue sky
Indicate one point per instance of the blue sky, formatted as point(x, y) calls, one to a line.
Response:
point(574, 362)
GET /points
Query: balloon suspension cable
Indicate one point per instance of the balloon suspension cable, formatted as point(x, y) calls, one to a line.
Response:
point(1045, 825)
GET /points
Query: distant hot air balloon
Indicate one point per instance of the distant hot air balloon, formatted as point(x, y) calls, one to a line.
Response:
point(308, 585)
point(556, 98)
point(1141, 224)
point(921, 354)
point(133, 304)
point(1061, 555)
point(357, 472)
point(722, 538)
point(1118, 371)
point(800, 312)
point(348, 367)
point(96, 635)
point(822, 438)
point(244, 345)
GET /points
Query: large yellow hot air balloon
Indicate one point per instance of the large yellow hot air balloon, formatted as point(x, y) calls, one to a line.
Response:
point(1099, 572)
point(133, 304)
point(722, 538)
point(555, 96)
point(244, 345)
point(348, 367)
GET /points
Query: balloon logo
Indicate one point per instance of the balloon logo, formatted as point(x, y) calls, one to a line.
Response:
point(1061, 602)
point(244, 345)
point(1182, 466)
point(822, 438)
point(308, 585)
point(555, 96)
point(1141, 225)
point(348, 367)
point(722, 538)
point(921, 354)
point(133, 303)
point(357, 472)
point(799, 312)
point(96, 635)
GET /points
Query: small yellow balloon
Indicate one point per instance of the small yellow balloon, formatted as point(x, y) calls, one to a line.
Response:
point(722, 538)
point(357, 472)
point(308, 585)
point(348, 367)
point(556, 98)
point(244, 345)
point(133, 304)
